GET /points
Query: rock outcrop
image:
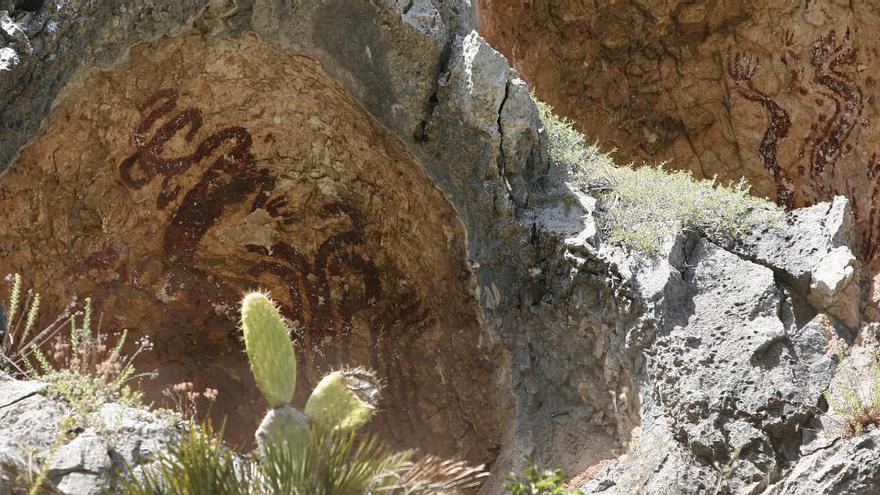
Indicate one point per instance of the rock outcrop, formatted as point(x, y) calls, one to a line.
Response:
point(783, 93)
point(40, 431)
point(379, 167)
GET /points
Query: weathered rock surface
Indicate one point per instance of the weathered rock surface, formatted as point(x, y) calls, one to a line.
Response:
point(38, 430)
point(725, 358)
point(379, 167)
point(783, 93)
point(237, 172)
point(847, 466)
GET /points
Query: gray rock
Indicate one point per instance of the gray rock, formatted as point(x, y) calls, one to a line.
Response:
point(523, 157)
point(11, 31)
point(794, 248)
point(848, 466)
point(115, 437)
point(12, 391)
point(729, 373)
point(478, 82)
point(82, 483)
point(834, 287)
point(8, 58)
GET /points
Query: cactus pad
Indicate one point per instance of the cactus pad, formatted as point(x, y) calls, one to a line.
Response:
point(269, 349)
point(344, 399)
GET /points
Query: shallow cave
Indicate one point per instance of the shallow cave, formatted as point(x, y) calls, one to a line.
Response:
point(167, 185)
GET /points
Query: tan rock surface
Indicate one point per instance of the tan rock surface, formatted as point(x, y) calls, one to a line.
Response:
point(783, 93)
point(166, 186)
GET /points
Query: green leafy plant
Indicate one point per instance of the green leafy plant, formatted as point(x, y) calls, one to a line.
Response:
point(199, 463)
point(535, 481)
point(643, 207)
point(856, 409)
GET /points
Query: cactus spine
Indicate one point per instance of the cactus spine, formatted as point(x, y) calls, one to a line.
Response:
point(269, 349)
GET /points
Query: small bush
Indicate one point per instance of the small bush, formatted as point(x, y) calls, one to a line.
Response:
point(538, 482)
point(324, 462)
point(19, 333)
point(184, 401)
point(86, 367)
point(82, 365)
point(846, 399)
point(641, 208)
point(199, 463)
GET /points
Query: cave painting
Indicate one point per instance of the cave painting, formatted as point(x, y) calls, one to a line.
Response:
point(833, 61)
point(315, 311)
point(229, 179)
point(200, 174)
point(783, 94)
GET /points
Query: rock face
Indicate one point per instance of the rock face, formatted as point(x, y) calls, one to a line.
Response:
point(381, 170)
point(783, 93)
point(78, 460)
point(236, 172)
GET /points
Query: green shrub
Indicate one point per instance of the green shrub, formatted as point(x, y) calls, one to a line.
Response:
point(18, 330)
point(87, 368)
point(538, 482)
point(80, 364)
point(856, 410)
point(642, 207)
point(324, 462)
point(199, 463)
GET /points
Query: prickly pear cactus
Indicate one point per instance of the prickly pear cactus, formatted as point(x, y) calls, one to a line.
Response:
point(283, 422)
point(344, 400)
point(269, 349)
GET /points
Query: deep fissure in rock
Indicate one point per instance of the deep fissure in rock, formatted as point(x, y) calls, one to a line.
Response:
point(168, 185)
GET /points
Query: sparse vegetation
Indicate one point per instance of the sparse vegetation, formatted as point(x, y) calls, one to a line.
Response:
point(642, 207)
point(535, 481)
point(185, 400)
point(87, 368)
point(81, 366)
point(19, 335)
point(84, 366)
point(314, 452)
point(199, 463)
point(856, 408)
